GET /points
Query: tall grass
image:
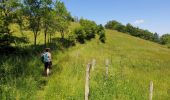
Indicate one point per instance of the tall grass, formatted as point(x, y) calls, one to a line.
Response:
point(133, 63)
point(20, 75)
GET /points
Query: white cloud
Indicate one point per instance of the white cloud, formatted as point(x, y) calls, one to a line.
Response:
point(139, 21)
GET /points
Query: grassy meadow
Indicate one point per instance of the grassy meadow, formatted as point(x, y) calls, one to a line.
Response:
point(133, 63)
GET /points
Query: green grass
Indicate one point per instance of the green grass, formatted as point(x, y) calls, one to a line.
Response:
point(133, 63)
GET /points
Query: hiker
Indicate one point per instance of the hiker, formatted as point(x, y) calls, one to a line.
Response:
point(47, 61)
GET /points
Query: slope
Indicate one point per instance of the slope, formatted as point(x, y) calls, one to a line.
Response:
point(133, 63)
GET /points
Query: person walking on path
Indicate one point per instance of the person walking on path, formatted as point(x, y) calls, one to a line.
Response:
point(47, 61)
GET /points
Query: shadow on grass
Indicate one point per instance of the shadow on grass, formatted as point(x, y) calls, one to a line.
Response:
point(20, 58)
point(22, 63)
point(57, 44)
point(63, 43)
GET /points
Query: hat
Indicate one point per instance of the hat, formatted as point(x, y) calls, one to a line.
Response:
point(47, 49)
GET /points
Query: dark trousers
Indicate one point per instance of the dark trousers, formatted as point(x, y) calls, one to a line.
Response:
point(47, 65)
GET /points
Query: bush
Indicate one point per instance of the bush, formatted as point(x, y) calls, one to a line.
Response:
point(112, 24)
point(90, 33)
point(4, 39)
point(165, 39)
point(101, 33)
point(72, 39)
point(102, 36)
point(134, 31)
point(80, 34)
point(89, 27)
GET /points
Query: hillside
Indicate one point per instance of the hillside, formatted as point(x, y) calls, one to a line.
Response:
point(133, 63)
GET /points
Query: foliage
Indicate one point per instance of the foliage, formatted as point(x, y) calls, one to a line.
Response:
point(63, 18)
point(89, 27)
point(80, 34)
point(88, 30)
point(4, 39)
point(7, 14)
point(72, 38)
point(165, 39)
point(102, 37)
point(101, 33)
point(33, 12)
point(134, 31)
point(112, 24)
point(8, 9)
point(120, 28)
point(48, 19)
point(156, 37)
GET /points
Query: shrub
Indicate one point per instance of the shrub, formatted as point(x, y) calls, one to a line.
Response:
point(112, 24)
point(134, 31)
point(90, 33)
point(101, 33)
point(80, 34)
point(165, 39)
point(89, 27)
point(4, 39)
point(102, 36)
point(72, 39)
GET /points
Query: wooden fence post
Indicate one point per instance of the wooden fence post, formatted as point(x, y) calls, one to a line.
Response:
point(93, 64)
point(88, 67)
point(107, 69)
point(151, 90)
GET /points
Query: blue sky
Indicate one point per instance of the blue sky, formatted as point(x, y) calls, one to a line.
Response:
point(153, 15)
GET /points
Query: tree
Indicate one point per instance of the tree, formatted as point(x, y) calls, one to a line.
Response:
point(134, 31)
point(89, 27)
point(102, 36)
point(145, 34)
point(63, 18)
point(76, 19)
point(119, 27)
point(129, 29)
point(165, 39)
point(48, 18)
point(7, 16)
point(100, 28)
point(112, 24)
point(137, 32)
point(156, 38)
point(101, 33)
point(33, 12)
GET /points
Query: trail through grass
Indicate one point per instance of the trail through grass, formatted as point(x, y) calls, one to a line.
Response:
point(133, 64)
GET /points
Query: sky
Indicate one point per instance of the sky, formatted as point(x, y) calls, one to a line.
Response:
point(153, 15)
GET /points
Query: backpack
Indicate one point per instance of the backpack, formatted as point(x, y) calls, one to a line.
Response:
point(45, 57)
point(42, 58)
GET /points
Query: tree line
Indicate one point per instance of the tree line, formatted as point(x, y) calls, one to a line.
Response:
point(137, 32)
point(44, 16)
